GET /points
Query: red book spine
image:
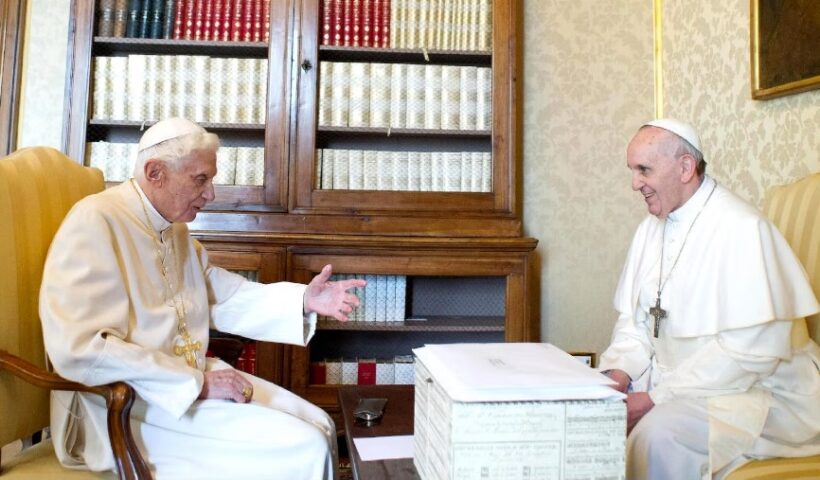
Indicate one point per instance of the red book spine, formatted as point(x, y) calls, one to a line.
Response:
point(236, 20)
point(318, 373)
point(385, 23)
point(207, 19)
point(226, 20)
point(367, 372)
point(216, 20)
point(247, 20)
point(199, 19)
point(179, 20)
point(375, 23)
point(356, 23)
point(250, 358)
point(188, 30)
point(367, 23)
point(337, 22)
point(266, 20)
point(347, 20)
point(327, 25)
point(256, 20)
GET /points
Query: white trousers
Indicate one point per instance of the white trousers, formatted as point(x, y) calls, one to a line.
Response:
point(277, 436)
point(671, 442)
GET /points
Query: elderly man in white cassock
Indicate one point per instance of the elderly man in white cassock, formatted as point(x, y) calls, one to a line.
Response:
point(127, 295)
point(703, 343)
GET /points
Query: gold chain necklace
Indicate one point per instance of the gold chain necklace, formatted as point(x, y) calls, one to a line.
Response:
point(656, 311)
point(184, 345)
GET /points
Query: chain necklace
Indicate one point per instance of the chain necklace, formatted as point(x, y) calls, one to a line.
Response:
point(184, 345)
point(657, 312)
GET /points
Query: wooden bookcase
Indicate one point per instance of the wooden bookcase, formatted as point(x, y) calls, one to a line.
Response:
point(287, 228)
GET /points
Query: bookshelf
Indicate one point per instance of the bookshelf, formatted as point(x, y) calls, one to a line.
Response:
point(460, 232)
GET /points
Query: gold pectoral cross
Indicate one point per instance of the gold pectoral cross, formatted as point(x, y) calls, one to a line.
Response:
point(188, 349)
point(658, 313)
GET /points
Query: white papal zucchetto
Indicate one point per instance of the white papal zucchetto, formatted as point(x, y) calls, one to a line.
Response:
point(681, 129)
point(167, 129)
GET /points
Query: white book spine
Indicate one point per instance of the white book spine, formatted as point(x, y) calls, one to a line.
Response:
point(484, 107)
point(450, 97)
point(385, 372)
point(384, 172)
point(317, 169)
point(359, 95)
point(225, 166)
point(333, 371)
point(370, 310)
point(391, 310)
point(199, 95)
point(370, 170)
point(261, 107)
point(415, 96)
point(152, 83)
point(401, 294)
point(350, 371)
point(328, 160)
point(487, 172)
point(325, 92)
point(452, 172)
point(398, 95)
point(102, 89)
point(437, 172)
point(121, 164)
point(216, 90)
point(340, 103)
point(380, 94)
point(400, 177)
point(432, 97)
point(466, 172)
point(414, 171)
point(468, 101)
point(137, 85)
point(341, 169)
point(165, 96)
point(476, 171)
point(356, 170)
point(485, 26)
point(245, 166)
point(247, 90)
point(396, 28)
point(119, 88)
point(426, 172)
point(233, 91)
point(95, 155)
point(381, 298)
point(183, 83)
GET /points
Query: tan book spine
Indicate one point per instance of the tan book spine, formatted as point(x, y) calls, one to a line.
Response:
point(486, 172)
point(415, 96)
point(384, 171)
point(476, 171)
point(183, 86)
point(396, 26)
point(340, 100)
point(341, 170)
point(468, 101)
point(137, 85)
point(317, 169)
point(414, 171)
point(398, 95)
point(484, 107)
point(355, 170)
point(249, 101)
point(400, 173)
point(199, 93)
point(261, 90)
point(233, 80)
point(380, 94)
point(485, 26)
point(450, 97)
point(328, 161)
point(325, 92)
point(425, 171)
point(119, 88)
point(432, 97)
point(165, 95)
point(370, 170)
point(452, 171)
point(216, 91)
point(152, 84)
point(359, 95)
point(466, 172)
point(225, 166)
point(437, 171)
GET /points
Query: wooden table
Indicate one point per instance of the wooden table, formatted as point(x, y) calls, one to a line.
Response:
point(397, 420)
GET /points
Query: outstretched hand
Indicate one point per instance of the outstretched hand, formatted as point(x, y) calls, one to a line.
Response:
point(331, 298)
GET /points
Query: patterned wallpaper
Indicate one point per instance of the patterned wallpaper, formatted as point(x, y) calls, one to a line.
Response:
point(44, 71)
point(588, 83)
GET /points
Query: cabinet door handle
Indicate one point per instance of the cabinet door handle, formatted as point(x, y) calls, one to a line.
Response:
point(306, 65)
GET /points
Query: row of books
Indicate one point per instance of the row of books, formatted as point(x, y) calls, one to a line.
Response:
point(201, 88)
point(383, 300)
point(235, 165)
point(363, 371)
point(398, 95)
point(442, 25)
point(403, 171)
point(219, 20)
point(430, 24)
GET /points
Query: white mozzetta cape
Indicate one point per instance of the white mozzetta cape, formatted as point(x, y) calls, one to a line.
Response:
point(108, 315)
point(730, 301)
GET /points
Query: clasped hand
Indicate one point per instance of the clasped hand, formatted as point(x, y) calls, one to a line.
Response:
point(331, 298)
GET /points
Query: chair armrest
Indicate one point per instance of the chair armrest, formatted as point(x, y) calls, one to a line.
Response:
point(119, 397)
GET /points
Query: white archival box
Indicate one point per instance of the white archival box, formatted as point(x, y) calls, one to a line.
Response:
point(524, 411)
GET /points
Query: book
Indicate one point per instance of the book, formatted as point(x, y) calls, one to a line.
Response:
point(225, 166)
point(101, 93)
point(366, 371)
point(341, 170)
point(398, 95)
point(385, 372)
point(318, 373)
point(468, 98)
point(404, 370)
point(132, 25)
point(155, 20)
point(359, 95)
point(120, 18)
point(450, 96)
point(380, 94)
point(146, 8)
point(339, 95)
point(350, 371)
point(484, 100)
point(355, 170)
point(328, 160)
point(333, 369)
point(119, 85)
point(325, 93)
point(415, 96)
point(105, 18)
point(168, 19)
point(369, 170)
point(432, 96)
point(136, 86)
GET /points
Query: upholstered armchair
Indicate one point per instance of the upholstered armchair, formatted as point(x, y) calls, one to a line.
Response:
point(795, 209)
point(37, 188)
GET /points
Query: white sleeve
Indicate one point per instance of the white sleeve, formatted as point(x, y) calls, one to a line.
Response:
point(629, 350)
point(730, 362)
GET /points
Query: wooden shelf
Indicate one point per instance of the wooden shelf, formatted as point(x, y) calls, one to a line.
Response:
point(222, 127)
point(432, 324)
point(405, 55)
point(401, 132)
point(158, 46)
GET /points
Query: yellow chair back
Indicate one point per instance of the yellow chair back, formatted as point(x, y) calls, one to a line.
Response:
point(38, 186)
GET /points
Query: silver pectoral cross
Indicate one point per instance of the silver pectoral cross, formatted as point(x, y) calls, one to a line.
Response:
point(658, 313)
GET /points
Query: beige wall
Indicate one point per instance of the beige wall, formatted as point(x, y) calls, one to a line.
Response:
point(44, 72)
point(588, 84)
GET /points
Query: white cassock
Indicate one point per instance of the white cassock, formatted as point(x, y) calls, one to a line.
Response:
point(108, 315)
point(733, 340)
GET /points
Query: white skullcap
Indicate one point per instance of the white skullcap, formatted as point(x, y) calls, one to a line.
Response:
point(167, 129)
point(681, 129)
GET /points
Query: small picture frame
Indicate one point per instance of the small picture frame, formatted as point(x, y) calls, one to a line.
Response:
point(589, 359)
